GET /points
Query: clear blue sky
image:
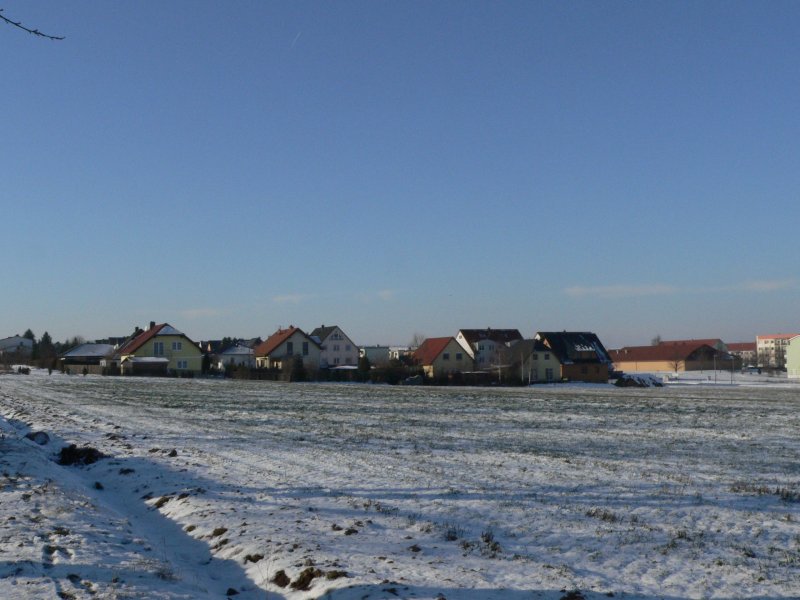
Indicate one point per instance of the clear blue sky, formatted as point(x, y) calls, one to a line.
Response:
point(629, 168)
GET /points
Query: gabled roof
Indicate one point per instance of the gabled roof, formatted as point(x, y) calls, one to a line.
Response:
point(713, 342)
point(500, 336)
point(430, 349)
point(524, 348)
point(323, 332)
point(136, 341)
point(660, 352)
point(568, 346)
point(276, 339)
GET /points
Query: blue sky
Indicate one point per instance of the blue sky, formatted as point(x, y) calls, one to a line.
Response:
point(397, 167)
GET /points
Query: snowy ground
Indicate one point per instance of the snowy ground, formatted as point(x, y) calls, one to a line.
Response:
point(221, 488)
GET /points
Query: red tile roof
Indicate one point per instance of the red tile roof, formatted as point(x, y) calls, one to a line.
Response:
point(269, 346)
point(133, 344)
point(665, 351)
point(430, 349)
point(777, 336)
point(742, 347)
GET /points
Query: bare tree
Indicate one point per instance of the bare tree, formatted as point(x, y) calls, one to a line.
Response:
point(36, 32)
point(416, 340)
point(656, 340)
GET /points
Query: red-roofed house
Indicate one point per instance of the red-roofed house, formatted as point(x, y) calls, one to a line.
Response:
point(442, 356)
point(285, 344)
point(681, 355)
point(159, 350)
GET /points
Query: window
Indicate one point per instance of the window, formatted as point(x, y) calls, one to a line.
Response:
point(158, 348)
point(446, 356)
point(305, 348)
point(459, 356)
point(177, 345)
point(535, 356)
point(289, 348)
point(347, 347)
point(547, 356)
point(548, 374)
point(183, 364)
point(336, 360)
point(336, 347)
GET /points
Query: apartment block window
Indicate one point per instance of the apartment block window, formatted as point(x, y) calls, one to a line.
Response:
point(177, 345)
point(305, 348)
point(158, 348)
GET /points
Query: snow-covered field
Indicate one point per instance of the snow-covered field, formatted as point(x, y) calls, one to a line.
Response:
point(258, 490)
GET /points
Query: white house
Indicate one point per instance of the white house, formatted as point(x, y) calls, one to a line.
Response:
point(237, 355)
point(489, 348)
point(337, 349)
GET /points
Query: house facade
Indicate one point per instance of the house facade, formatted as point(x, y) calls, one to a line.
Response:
point(85, 358)
point(581, 355)
point(159, 350)
point(793, 358)
point(336, 348)
point(440, 357)
point(489, 348)
point(771, 349)
point(533, 362)
point(284, 345)
point(237, 355)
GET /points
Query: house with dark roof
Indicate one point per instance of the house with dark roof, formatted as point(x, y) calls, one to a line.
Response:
point(337, 349)
point(488, 347)
point(442, 356)
point(158, 350)
point(85, 358)
point(581, 355)
point(674, 356)
point(282, 346)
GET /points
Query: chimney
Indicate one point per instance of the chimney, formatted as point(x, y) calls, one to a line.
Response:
point(152, 325)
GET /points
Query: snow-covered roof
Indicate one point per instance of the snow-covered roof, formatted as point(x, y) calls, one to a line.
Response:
point(238, 349)
point(169, 330)
point(87, 350)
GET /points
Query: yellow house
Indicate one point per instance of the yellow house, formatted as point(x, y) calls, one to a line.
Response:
point(159, 350)
point(533, 362)
point(443, 356)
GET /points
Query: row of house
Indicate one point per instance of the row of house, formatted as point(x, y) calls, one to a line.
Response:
point(503, 353)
